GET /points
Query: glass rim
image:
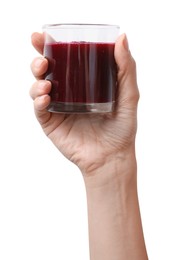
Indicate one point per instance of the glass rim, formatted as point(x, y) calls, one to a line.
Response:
point(79, 26)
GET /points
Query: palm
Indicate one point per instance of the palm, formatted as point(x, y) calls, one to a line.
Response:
point(87, 139)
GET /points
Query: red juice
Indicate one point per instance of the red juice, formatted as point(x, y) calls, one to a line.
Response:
point(81, 72)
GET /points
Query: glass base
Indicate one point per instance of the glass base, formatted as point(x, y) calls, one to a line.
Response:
point(81, 108)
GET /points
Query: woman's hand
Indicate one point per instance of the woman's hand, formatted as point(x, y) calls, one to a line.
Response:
point(90, 140)
point(103, 147)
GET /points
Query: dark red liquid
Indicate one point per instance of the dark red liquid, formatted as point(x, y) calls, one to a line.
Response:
point(81, 72)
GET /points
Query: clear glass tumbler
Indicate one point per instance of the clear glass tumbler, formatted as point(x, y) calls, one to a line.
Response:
point(82, 68)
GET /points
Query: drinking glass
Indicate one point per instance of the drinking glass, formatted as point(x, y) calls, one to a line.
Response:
point(82, 68)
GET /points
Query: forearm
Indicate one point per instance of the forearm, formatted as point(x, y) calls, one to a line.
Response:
point(115, 229)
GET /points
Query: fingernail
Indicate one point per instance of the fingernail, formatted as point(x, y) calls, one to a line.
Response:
point(39, 62)
point(125, 43)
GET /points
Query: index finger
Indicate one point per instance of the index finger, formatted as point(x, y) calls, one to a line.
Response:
point(37, 40)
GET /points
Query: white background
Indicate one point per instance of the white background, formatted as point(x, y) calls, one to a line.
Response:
point(42, 197)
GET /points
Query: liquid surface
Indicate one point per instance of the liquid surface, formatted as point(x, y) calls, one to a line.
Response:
point(81, 72)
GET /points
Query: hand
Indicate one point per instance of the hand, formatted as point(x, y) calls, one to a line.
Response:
point(90, 140)
point(103, 147)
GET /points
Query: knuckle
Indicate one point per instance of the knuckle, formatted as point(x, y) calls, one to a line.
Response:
point(31, 91)
point(133, 64)
point(135, 96)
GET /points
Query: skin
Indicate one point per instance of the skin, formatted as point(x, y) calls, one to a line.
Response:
point(103, 147)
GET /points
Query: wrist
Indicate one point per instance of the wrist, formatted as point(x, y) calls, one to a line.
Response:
point(113, 212)
point(118, 168)
point(115, 227)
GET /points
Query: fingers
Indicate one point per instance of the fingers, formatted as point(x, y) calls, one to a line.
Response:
point(40, 88)
point(37, 40)
point(39, 66)
point(128, 94)
point(39, 93)
point(40, 105)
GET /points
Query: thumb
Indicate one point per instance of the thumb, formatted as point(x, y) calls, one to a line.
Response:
point(128, 94)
